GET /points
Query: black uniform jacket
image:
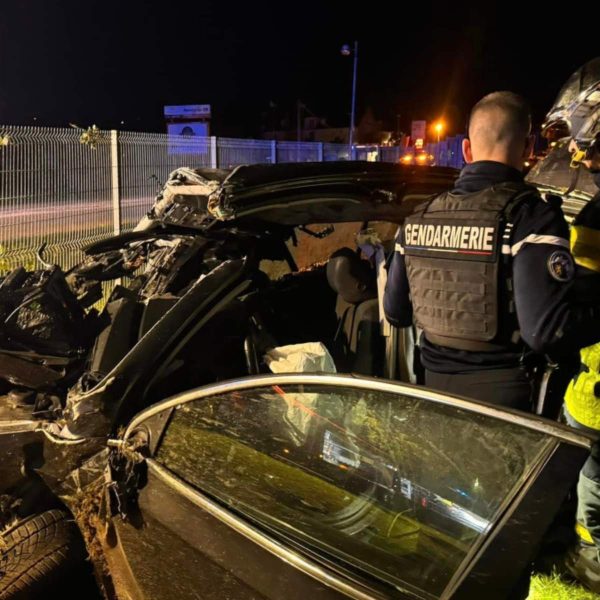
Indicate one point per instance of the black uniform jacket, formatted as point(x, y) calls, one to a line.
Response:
point(550, 319)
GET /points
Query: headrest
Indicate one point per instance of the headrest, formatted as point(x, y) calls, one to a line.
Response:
point(351, 277)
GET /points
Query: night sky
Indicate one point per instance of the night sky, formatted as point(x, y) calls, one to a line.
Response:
point(102, 62)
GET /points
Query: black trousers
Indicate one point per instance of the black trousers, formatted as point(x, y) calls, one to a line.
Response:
point(504, 387)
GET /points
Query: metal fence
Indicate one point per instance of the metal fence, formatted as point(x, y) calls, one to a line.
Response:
point(54, 189)
point(448, 152)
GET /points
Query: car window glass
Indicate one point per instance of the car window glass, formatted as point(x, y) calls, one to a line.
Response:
point(579, 81)
point(391, 486)
point(569, 90)
point(591, 73)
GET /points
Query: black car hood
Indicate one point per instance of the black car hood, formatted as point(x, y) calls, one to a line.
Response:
point(294, 194)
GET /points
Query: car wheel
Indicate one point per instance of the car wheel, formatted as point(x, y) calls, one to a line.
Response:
point(37, 552)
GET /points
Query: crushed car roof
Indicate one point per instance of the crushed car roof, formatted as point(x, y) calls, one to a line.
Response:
point(295, 193)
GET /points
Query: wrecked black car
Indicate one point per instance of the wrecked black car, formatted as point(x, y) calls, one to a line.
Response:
point(173, 408)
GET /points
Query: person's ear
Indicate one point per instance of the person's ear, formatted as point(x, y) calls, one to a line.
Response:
point(467, 150)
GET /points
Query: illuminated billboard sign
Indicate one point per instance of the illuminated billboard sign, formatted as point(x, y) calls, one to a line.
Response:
point(187, 111)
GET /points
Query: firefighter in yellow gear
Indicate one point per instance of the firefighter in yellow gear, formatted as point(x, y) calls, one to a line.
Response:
point(575, 114)
point(582, 398)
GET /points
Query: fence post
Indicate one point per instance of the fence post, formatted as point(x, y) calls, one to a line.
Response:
point(214, 155)
point(116, 192)
point(320, 151)
point(273, 151)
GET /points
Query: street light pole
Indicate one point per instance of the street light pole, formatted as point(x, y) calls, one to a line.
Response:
point(353, 110)
point(346, 51)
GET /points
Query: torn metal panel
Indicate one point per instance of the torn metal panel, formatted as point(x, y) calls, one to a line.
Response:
point(110, 265)
point(91, 470)
point(20, 446)
point(19, 371)
point(84, 492)
point(183, 200)
point(166, 263)
point(87, 291)
point(154, 309)
point(43, 359)
point(62, 457)
point(13, 280)
point(91, 412)
point(47, 406)
point(117, 338)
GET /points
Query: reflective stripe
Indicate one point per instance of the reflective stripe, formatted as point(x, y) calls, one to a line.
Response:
point(583, 533)
point(398, 248)
point(506, 238)
point(534, 238)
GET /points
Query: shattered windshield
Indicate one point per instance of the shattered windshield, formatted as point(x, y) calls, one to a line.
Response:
point(579, 81)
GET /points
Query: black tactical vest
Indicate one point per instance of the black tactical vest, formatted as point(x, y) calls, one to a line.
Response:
point(460, 280)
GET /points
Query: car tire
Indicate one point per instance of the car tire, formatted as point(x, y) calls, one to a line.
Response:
point(37, 552)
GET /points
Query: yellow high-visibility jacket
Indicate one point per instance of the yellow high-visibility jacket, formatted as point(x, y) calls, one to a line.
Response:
point(580, 399)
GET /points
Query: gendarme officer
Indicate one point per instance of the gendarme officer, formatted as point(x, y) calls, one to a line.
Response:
point(485, 269)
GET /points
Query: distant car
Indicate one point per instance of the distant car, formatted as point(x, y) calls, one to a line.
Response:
point(153, 437)
point(418, 157)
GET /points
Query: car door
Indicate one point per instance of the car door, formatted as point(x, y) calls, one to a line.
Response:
point(325, 486)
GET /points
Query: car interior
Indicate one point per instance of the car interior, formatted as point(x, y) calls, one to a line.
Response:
point(329, 295)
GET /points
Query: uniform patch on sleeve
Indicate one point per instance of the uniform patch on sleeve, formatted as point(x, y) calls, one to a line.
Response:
point(561, 266)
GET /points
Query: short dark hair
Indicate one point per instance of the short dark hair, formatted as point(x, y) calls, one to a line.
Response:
point(517, 112)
